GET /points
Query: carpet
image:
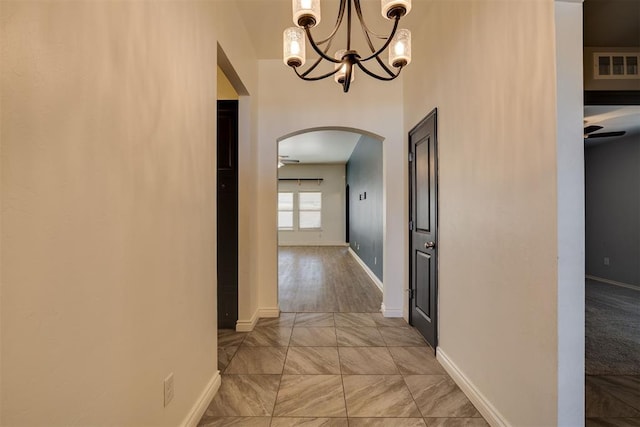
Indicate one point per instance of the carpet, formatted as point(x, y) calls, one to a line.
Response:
point(612, 329)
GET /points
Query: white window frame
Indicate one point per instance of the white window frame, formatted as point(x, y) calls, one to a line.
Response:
point(300, 211)
point(292, 210)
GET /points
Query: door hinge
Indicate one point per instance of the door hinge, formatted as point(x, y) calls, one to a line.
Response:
point(410, 156)
point(410, 225)
point(410, 293)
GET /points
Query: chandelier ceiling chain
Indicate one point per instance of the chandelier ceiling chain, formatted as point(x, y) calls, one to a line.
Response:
point(306, 15)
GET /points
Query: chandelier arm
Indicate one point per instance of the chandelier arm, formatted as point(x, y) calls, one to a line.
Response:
point(312, 79)
point(338, 23)
point(384, 66)
point(318, 61)
point(386, 44)
point(363, 24)
point(317, 49)
point(375, 76)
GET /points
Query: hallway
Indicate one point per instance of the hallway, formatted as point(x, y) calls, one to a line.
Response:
point(334, 369)
point(321, 366)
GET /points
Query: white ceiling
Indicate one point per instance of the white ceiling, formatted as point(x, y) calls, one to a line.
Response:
point(323, 146)
point(612, 118)
point(265, 20)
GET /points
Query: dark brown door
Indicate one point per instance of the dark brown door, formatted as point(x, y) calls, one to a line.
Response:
point(423, 199)
point(227, 214)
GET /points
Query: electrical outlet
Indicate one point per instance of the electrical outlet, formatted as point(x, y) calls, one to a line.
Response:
point(358, 247)
point(168, 389)
point(606, 260)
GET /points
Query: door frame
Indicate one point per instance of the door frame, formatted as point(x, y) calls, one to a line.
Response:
point(433, 113)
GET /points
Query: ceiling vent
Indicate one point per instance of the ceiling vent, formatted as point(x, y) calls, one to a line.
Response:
point(616, 65)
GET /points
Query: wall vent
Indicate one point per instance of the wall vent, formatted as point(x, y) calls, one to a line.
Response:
point(616, 65)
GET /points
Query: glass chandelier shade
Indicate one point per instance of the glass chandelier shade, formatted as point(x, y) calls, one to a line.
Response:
point(342, 68)
point(294, 46)
point(306, 15)
point(400, 49)
point(306, 12)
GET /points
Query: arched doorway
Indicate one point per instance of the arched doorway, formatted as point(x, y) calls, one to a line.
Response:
point(320, 269)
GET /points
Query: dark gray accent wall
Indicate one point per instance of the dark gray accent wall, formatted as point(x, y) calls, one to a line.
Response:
point(612, 175)
point(364, 177)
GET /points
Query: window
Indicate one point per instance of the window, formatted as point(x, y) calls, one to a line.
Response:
point(310, 210)
point(619, 65)
point(285, 211)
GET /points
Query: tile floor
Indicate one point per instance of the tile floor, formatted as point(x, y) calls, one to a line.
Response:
point(612, 400)
point(326, 369)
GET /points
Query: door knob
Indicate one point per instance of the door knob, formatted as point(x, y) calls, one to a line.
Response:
point(430, 245)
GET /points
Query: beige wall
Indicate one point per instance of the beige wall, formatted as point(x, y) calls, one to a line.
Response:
point(226, 91)
point(108, 207)
point(489, 67)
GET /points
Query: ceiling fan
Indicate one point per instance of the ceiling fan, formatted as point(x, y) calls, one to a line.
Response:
point(588, 132)
point(284, 160)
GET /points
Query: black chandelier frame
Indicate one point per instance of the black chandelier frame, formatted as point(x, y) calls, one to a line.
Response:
point(351, 57)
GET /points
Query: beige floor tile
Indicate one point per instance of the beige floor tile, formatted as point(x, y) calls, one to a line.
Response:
point(310, 396)
point(313, 337)
point(312, 361)
point(394, 322)
point(359, 337)
point(386, 422)
point(378, 396)
point(612, 422)
point(366, 360)
point(416, 361)
point(456, 422)
point(600, 403)
point(311, 320)
point(230, 338)
point(309, 422)
point(284, 321)
point(439, 397)
point(402, 337)
point(234, 421)
point(224, 356)
point(354, 319)
point(244, 395)
point(258, 360)
point(268, 337)
point(624, 387)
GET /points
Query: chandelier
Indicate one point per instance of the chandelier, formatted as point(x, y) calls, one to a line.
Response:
point(306, 15)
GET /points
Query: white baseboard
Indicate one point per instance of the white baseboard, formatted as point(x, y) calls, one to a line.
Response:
point(313, 244)
point(613, 282)
point(269, 312)
point(484, 406)
point(247, 325)
point(391, 312)
point(199, 408)
point(367, 270)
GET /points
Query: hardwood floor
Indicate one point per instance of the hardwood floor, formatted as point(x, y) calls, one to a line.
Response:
point(324, 279)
